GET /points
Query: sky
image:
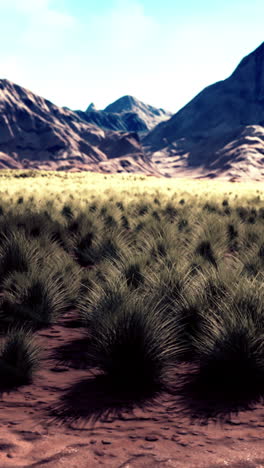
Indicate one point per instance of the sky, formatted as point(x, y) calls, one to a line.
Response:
point(74, 52)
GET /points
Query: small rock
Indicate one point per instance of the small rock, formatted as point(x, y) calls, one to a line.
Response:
point(106, 442)
point(151, 438)
point(99, 453)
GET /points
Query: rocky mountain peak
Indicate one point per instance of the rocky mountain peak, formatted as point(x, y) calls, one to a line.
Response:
point(91, 107)
point(124, 104)
point(126, 114)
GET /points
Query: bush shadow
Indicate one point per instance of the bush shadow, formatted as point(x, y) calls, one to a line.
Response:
point(203, 399)
point(10, 382)
point(98, 397)
point(73, 354)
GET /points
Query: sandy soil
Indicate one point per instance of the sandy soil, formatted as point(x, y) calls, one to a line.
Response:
point(68, 418)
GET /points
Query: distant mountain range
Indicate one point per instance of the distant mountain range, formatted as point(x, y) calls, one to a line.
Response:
point(219, 133)
point(34, 133)
point(127, 114)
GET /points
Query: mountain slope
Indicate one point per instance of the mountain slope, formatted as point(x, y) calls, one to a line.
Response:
point(36, 133)
point(218, 131)
point(127, 114)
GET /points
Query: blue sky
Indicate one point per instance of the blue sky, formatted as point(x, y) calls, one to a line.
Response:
point(163, 52)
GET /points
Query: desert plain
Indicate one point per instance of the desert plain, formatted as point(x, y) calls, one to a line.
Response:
point(131, 316)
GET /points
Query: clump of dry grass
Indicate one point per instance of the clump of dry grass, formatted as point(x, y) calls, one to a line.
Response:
point(19, 359)
point(135, 345)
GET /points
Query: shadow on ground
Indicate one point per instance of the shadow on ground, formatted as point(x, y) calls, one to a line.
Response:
point(217, 397)
point(99, 398)
point(74, 354)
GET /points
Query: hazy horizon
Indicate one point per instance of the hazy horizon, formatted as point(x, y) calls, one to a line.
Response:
point(75, 53)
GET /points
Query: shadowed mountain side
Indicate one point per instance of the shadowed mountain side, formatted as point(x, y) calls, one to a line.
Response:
point(235, 154)
point(127, 114)
point(36, 133)
point(221, 130)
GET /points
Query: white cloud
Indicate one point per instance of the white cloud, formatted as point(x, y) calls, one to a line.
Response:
point(125, 26)
point(26, 5)
point(32, 8)
point(35, 55)
point(41, 22)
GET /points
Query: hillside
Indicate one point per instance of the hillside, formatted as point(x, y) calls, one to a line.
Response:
point(35, 133)
point(219, 132)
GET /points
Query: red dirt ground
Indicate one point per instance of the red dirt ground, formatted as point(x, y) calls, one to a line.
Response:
point(63, 419)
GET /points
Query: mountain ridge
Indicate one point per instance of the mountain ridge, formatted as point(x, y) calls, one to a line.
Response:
point(126, 114)
point(197, 134)
point(220, 132)
point(36, 133)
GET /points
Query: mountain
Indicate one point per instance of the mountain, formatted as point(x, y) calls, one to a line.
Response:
point(127, 114)
point(38, 134)
point(220, 131)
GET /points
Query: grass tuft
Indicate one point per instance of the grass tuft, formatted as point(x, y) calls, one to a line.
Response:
point(136, 347)
point(19, 359)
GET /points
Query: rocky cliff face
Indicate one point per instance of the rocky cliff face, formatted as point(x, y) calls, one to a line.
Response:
point(219, 132)
point(127, 114)
point(36, 133)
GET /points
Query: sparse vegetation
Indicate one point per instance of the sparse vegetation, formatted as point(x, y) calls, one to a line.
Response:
point(157, 274)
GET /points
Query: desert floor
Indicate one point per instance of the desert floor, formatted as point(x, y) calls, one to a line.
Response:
point(67, 418)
